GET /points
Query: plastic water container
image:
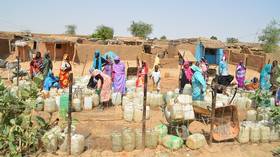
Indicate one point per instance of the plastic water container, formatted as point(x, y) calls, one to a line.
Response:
point(130, 83)
point(76, 104)
point(251, 115)
point(162, 131)
point(128, 139)
point(126, 101)
point(116, 139)
point(138, 113)
point(39, 104)
point(77, 144)
point(195, 141)
point(138, 139)
point(172, 142)
point(184, 99)
point(53, 92)
point(151, 139)
point(95, 99)
point(88, 103)
point(50, 105)
point(128, 112)
point(169, 96)
point(274, 134)
point(188, 112)
point(255, 133)
point(176, 112)
point(265, 134)
point(117, 98)
point(187, 89)
point(244, 134)
point(50, 142)
point(57, 101)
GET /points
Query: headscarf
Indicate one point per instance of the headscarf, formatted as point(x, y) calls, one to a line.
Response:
point(188, 71)
point(95, 60)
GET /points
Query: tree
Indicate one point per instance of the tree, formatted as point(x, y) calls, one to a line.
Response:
point(213, 37)
point(270, 36)
point(140, 29)
point(70, 29)
point(103, 32)
point(163, 37)
point(232, 40)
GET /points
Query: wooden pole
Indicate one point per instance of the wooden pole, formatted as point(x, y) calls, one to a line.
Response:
point(85, 65)
point(17, 70)
point(54, 51)
point(144, 112)
point(214, 95)
point(75, 53)
point(69, 113)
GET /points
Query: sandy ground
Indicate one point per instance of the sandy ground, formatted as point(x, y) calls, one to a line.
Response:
point(100, 125)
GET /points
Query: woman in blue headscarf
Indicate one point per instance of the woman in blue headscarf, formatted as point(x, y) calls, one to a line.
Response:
point(51, 81)
point(98, 61)
point(198, 84)
point(265, 77)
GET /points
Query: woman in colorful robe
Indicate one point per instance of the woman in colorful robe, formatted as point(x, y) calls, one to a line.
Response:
point(186, 75)
point(108, 67)
point(103, 87)
point(265, 77)
point(118, 76)
point(142, 71)
point(47, 64)
point(198, 84)
point(98, 61)
point(240, 74)
point(65, 69)
point(36, 65)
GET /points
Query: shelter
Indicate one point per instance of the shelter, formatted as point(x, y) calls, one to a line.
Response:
point(211, 50)
point(187, 55)
point(7, 43)
point(57, 46)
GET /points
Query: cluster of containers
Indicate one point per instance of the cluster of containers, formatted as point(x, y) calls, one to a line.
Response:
point(257, 127)
point(56, 138)
point(129, 139)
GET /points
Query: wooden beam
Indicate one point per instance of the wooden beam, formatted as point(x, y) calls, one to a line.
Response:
point(214, 95)
point(144, 111)
point(69, 114)
point(54, 52)
point(75, 52)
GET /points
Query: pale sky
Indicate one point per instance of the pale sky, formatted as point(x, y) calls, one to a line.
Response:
point(243, 19)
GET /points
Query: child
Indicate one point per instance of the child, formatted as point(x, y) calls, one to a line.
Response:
point(156, 78)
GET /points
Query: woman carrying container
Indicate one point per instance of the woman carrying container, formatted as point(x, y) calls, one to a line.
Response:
point(103, 86)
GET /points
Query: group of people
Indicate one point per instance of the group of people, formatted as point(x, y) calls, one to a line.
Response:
point(42, 67)
point(107, 74)
point(196, 76)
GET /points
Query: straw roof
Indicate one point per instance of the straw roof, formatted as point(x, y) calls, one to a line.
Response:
point(187, 55)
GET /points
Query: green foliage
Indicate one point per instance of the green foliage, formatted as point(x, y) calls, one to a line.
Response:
point(140, 29)
point(20, 131)
point(232, 40)
point(70, 29)
point(270, 36)
point(103, 32)
point(213, 37)
point(163, 37)
point(275, 115)
point(261, 98)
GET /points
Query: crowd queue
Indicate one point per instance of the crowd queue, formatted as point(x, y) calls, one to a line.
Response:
point(108, 74)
